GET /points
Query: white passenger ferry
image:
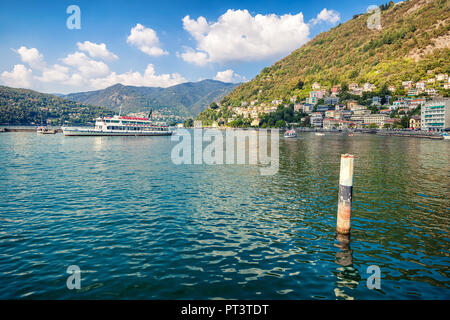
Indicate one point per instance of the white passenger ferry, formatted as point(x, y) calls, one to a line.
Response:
point(120, 126)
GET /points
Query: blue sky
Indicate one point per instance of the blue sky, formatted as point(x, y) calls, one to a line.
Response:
point(154, 43)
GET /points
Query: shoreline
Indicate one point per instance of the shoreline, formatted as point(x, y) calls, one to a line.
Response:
point(384, 133)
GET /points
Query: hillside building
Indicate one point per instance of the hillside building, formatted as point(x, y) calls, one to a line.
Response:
point(435, 115)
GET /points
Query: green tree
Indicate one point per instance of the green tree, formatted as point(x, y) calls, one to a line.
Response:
point(280, 124)
point(404, 122)
point(189, 123)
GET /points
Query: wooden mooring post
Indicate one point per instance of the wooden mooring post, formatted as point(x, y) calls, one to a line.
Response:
point(345, 194)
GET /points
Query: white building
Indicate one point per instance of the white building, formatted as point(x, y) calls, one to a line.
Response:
point(368, 87)
point(420, 85)
point(442, 77)
point(431, 91)
point(277, 102)
point(316, 120)
point(435, 115)
point(378, 119)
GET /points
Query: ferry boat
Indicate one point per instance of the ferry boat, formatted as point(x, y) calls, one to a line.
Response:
point(120, 126)
point(290, 134)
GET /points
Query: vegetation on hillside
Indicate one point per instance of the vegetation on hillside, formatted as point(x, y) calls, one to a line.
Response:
point(24, 107)
point(407, 47)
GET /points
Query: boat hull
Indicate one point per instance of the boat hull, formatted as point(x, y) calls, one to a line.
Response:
point(92, 133)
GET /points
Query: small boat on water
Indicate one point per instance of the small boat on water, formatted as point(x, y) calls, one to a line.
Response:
point(350, 134)
point(44, 130)
point(290, 134)
point(446, 136)
point(320, 134)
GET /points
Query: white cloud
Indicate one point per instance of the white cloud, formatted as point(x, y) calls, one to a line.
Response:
point(325, 15)
point(148, 78)
point(87, 67)
point(96, 50)
point(78, 72)
point(146, 40)
point(54, 74)
point(238, 36)
point(77, 80)
point(19, 77)
point(32, 57)
point(196, 28)
point(228, 76)
point(196, 57)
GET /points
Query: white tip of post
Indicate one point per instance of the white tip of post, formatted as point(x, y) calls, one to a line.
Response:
point(346, 173)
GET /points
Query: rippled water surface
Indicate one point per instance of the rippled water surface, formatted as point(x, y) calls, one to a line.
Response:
point(139, 226)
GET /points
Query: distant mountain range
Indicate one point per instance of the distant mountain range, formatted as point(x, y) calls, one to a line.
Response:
point(186, 99)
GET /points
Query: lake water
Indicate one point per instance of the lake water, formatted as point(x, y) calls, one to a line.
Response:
point(139, 226)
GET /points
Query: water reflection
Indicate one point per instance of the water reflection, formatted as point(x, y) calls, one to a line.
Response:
point(221, 231)
point(347, 275)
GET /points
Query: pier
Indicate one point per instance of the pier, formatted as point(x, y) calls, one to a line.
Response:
point(25, 129)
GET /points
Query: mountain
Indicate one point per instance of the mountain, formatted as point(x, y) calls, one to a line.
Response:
point(186, 99)
point(413, 43)
point(23, 107)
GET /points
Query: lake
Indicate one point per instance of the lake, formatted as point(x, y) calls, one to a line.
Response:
point(139, 226)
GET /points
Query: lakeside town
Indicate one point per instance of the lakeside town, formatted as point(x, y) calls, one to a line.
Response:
point(422, 105)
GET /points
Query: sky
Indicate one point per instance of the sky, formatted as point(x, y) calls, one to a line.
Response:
point(46, 46)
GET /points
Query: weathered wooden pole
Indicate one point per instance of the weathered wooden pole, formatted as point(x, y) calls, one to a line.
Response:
point(345, 194)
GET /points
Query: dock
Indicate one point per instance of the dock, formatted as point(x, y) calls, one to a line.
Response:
point(22, 129)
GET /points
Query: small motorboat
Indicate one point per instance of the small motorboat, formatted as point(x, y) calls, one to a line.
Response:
point(290, 134)
point(350, 134)
point(44, 130)
point(446, 136)
point(320, 134)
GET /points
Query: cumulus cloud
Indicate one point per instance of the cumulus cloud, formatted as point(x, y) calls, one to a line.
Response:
point(54, 74)
point(329, 16)
point(239, 36)
point(149, 78)
point(196, 57)
point(228, 76)
point(146, 40)
point(32, 57)
point(87, 67)
point(78, 72)
point(96, 50)
point(19, 77)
